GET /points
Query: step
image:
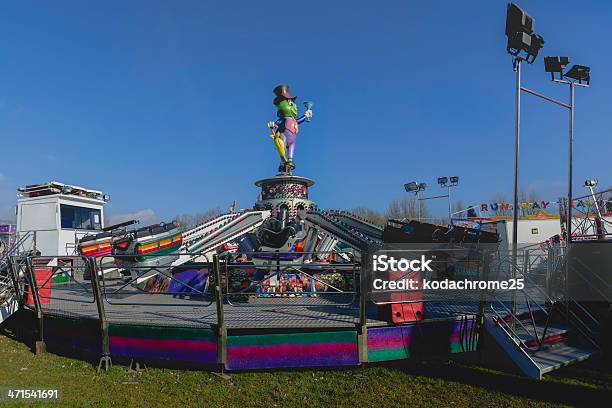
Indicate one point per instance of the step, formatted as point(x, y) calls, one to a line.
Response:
point(524, 316)
point(560, 355)
point(554, 332)
point(556, 353)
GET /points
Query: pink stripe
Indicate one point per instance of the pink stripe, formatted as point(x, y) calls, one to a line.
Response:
point(457, 330)
point(169, 344)
point(394, 342)
point(290, 350)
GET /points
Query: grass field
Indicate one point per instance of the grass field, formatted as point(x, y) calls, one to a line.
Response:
point(440, 383)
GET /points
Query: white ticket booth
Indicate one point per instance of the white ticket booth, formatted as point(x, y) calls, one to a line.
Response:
point(58, 215)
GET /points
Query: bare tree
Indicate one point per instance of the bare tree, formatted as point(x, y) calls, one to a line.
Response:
point(459, 209)
point(405, 207)
point(189, 220)
point(399, 208)
point(375, 217)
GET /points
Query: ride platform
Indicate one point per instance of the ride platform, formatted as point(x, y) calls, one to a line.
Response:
point(255, 333)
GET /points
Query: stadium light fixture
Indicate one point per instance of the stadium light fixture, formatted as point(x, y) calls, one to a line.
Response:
point(444, 182)
point(523, 45)
point(523, 42)
point(555, 65)
point(414, 187)
point(580, 73)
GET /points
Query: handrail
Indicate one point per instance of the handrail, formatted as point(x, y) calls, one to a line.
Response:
point(10, 282)
point(14, 247)
point(578, 323)
point(514, 318)
point(276, 269)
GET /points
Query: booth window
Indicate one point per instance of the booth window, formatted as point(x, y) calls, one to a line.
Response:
point(80, 218)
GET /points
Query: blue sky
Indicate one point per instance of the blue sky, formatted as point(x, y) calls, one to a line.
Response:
point(163, 105)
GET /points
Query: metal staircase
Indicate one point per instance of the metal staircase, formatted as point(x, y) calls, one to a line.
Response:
point(540, 329)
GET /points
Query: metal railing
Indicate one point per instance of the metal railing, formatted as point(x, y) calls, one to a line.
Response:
point(301, 282)
point(122, 276)
point(548, 295)
point(111, 289)
point(593, 219)
point(12, 260)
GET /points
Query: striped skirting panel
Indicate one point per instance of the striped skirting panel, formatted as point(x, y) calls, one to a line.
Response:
point(433, 338)
point(338, 348)
point(194, 345)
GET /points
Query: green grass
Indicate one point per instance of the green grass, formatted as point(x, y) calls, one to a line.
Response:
point(440, 383)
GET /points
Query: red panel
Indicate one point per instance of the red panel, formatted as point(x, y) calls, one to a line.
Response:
point(43, 281)
point(407, 306)
point(407, 312)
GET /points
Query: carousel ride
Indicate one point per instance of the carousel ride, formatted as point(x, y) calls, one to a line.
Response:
point(253, 281)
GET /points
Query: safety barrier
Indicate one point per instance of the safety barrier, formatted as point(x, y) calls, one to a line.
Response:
point(298, 282)
point(152, 308)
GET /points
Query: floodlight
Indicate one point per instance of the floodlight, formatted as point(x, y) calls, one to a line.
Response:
point(590, 183)
point(519, 30)
point(555, 64)
point(414, 187)
point(442, 181)
point(411, 187)
point(517, 42)
point(580, 73)
point(517, 20)
point(454, 180)
point(537, 42)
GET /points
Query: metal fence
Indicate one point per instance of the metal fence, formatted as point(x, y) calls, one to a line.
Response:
point(221, 293)
point(303, 282)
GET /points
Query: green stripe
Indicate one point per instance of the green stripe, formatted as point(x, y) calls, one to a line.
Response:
point(388, 354)
point(455, 347)
point(160, 333)
point(155, 254)
point(292, 338)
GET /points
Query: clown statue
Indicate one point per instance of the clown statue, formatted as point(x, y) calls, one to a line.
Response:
point(285, 128)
